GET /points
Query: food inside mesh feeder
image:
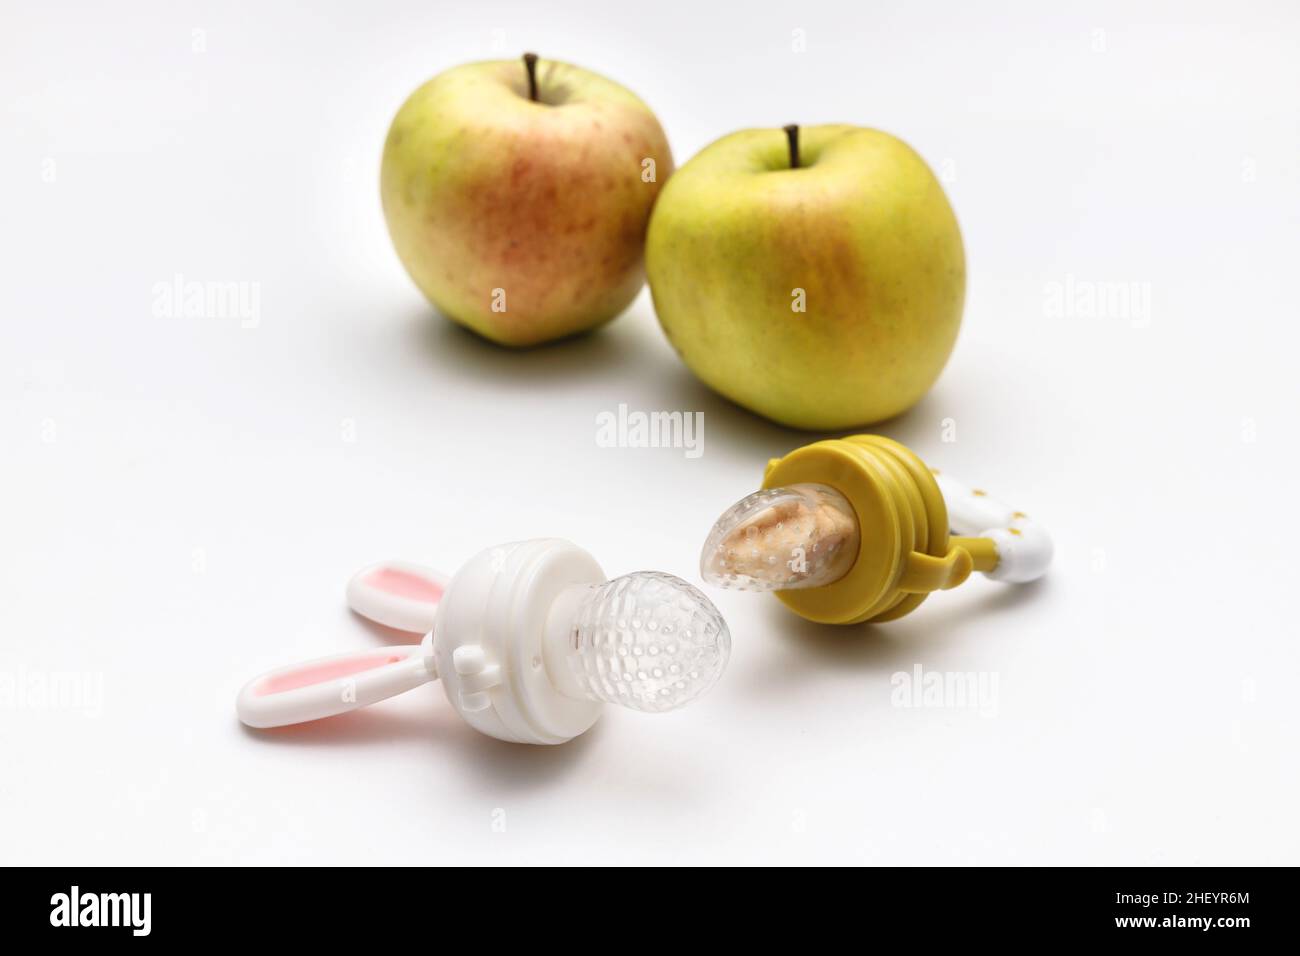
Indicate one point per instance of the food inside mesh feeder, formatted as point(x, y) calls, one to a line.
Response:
point(799, 536)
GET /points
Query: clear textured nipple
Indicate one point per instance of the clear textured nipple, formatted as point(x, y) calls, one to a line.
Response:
point(648, 641)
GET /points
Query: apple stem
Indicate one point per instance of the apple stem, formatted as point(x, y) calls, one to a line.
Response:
point(792, 134)
point(530, 61)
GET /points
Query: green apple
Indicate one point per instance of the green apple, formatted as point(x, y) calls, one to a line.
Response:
point(814, 276)
point(518, 193)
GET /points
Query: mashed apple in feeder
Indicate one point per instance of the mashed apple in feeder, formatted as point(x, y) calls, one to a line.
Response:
point(800, 536)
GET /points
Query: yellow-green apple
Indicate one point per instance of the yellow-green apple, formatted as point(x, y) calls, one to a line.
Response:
point(814, 276)
point(518, 193)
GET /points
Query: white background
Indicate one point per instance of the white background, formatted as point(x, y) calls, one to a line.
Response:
point(184, 499)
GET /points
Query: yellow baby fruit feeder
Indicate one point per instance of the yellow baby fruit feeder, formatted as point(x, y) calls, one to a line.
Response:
point(860, 529)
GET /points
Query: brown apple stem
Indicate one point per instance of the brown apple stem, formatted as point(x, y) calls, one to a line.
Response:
point(530, 61)
point(792, 134)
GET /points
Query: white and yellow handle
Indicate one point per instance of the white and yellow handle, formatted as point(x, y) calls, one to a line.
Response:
point(1024, 547)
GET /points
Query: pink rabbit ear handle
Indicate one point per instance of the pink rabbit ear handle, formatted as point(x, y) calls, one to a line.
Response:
point(398, 594)
point(334, 685)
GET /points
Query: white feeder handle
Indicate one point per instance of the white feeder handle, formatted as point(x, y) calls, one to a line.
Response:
point(398, 594)
point(1024, 547)
point(334, 685)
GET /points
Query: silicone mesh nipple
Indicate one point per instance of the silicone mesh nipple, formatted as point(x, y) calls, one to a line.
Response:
point(648, 641)
point(800, 536)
